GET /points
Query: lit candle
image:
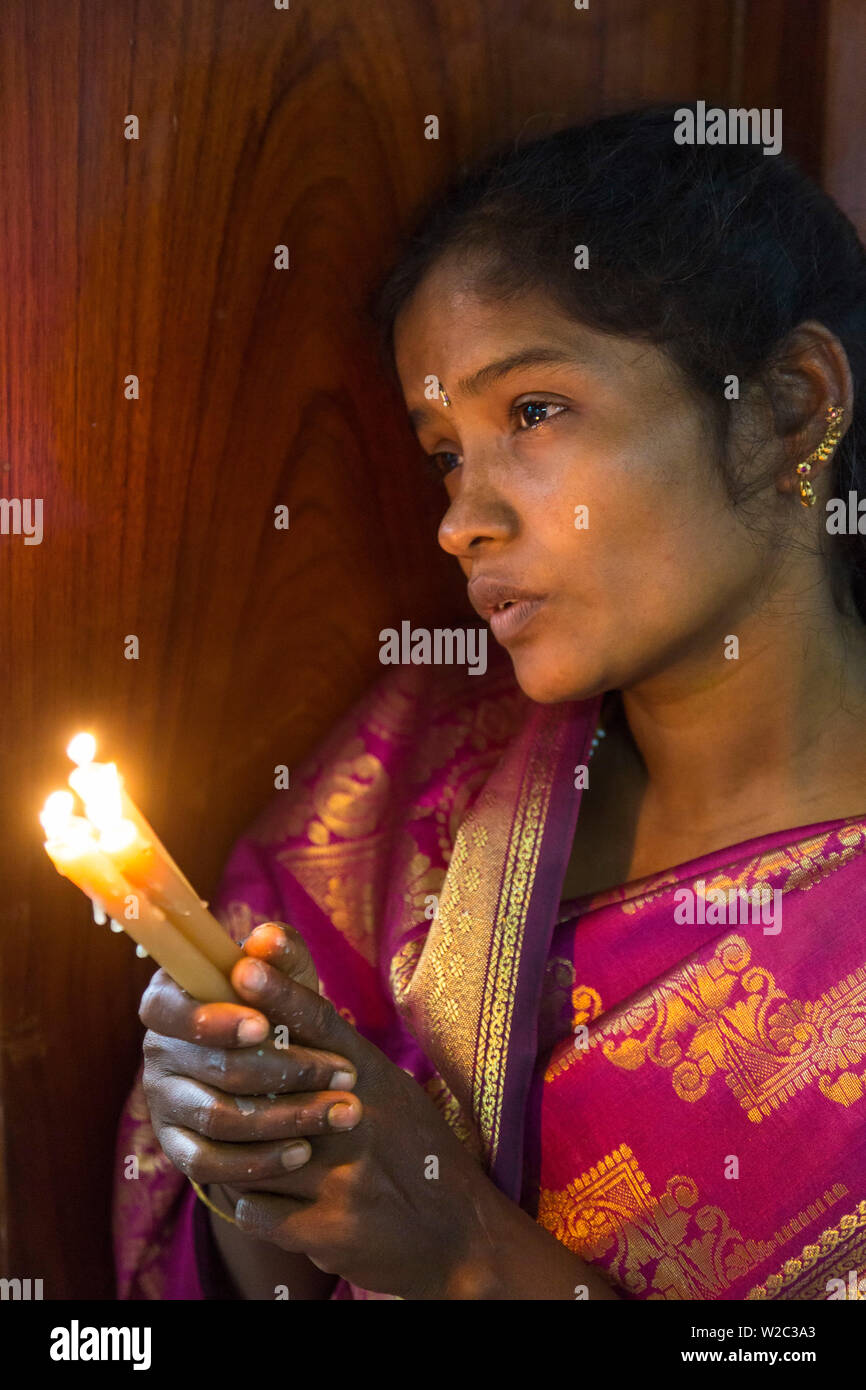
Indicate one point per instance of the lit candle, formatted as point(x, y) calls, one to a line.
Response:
point(73, 849)
point(133, 846)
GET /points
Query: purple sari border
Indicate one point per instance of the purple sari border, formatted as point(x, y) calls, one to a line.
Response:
point(570, 728)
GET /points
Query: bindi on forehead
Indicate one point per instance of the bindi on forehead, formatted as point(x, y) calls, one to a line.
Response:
point(476, 382)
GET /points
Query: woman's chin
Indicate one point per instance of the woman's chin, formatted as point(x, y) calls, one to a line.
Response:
point(548, 683)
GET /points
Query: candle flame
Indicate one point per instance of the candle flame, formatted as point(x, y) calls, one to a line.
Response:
point(82, 748)
point(117, 836)
point(74, 839)
point(98, 785)
point(57, 813)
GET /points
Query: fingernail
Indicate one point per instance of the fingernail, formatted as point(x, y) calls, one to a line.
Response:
point(252, 974)
point(342, 1081)
point(342, 1116)
point(294, 1155)
point(252, 1030)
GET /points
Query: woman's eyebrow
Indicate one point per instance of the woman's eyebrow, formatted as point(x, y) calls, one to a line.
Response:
point(474, 384)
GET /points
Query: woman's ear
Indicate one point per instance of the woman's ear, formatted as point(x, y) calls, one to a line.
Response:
point(811, 372)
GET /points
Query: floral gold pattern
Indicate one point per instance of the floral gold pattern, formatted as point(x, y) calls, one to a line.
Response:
point(725, 1016)
point(340, 879)
point(665, 1246)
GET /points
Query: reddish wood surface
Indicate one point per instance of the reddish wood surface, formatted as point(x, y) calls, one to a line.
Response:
point(258, 387)
point(844, 166)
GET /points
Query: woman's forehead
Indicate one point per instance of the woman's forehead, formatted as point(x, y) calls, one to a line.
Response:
point(451, 329)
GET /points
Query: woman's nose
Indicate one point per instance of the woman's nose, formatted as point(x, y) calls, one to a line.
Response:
point(475, 514)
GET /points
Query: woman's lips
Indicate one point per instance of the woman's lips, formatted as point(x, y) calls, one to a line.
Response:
point(506, 606)
point(505, 623)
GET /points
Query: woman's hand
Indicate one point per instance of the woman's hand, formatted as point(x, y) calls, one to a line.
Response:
point(396, 1205)
point(210, 1069)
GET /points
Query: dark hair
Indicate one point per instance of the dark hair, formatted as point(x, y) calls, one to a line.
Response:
point(713, 252)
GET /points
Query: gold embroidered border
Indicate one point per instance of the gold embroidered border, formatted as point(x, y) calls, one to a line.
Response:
point(500, 985)
point(804, 861)
point(460, 997)
point(802, 1277)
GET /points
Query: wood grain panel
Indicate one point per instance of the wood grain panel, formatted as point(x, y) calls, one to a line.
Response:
point(844, 166)
point(258, 387)
point(783, 64)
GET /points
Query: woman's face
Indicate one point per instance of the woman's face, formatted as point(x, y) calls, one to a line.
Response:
point(658, 572)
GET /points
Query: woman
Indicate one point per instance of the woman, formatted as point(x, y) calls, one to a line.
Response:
point(616, 1057)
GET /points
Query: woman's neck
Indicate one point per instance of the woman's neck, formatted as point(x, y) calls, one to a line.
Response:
point(774, 737)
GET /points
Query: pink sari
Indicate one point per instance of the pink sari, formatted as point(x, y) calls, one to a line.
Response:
point(680, 1103)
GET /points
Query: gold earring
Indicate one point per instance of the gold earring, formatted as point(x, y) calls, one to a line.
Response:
point(835, 416)
point(444, 394)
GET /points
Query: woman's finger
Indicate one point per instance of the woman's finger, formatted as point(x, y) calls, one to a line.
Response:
point(292, 1224)
point(306, 1183)
point(226, 1119)
point(309, 1017)
point(206, 1161)
point(251, 1071)
point(167, 1009)
point(286, 950)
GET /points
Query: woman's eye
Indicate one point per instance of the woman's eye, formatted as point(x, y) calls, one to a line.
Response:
point(535, 406)
point(443, 463)
point(439, 464)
